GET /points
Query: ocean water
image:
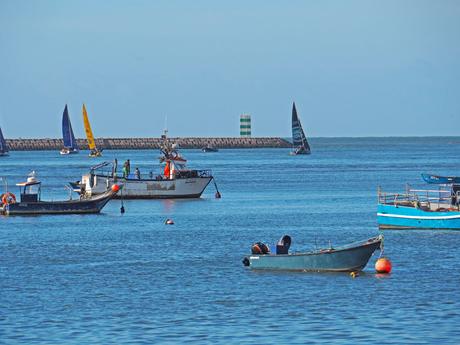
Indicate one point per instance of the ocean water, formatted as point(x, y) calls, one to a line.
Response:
point(130, 279)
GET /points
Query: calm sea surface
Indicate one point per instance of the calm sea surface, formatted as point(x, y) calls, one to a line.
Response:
point(130, 279)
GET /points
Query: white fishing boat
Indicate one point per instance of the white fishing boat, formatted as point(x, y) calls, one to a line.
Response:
point(299, 140)
point(174, 181)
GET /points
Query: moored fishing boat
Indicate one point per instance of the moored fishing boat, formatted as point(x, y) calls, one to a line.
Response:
point(299, 140)
point(347, 258)
point(3, 145)
point(70, 144)
point(419, 209)
point(30, 202)
point(94, 151)
point(435, 179)
point(174, 181)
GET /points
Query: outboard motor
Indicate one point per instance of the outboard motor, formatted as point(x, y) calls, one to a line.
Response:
point(260, 248)
point(282, 247)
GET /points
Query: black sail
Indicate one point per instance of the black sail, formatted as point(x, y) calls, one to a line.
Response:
point(299, 140)
point(3, 146)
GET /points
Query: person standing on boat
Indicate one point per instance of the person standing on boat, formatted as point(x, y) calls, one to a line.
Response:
point(137, 173)
point(125, 169)
point(128, 167)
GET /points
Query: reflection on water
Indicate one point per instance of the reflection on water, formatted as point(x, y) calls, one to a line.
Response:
point(128, 278)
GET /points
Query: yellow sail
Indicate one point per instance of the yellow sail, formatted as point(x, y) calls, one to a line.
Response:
point(89, 132)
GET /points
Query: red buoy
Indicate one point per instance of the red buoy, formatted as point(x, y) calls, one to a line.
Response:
point(115, 188)
point(383, 265)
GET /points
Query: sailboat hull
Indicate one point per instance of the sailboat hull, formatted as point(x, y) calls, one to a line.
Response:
point(68, 151)
point(300, 152)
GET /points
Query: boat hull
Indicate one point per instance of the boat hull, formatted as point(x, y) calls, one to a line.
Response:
point(91, 205)
point(346, 259)
point(403, 217)
point(148, 188)
point(294, 153)
point(209, 149)
point(434, 179)
point(65, 152)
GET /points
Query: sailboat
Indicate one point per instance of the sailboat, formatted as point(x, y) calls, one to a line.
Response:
point(3, 146)
point(299, 140)
point(94, 152)
point(70, 144)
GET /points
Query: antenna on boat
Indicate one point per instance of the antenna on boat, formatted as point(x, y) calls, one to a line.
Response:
point(5, 182)
point(165, 131)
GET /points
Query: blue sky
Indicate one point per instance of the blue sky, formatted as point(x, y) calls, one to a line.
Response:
point(354, 68)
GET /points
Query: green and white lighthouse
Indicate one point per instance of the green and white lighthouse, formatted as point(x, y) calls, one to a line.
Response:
point(245, 126)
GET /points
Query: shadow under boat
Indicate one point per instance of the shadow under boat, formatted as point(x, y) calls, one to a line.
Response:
point(30, 202)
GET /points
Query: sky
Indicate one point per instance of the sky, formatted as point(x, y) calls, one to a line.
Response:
point(354, 68)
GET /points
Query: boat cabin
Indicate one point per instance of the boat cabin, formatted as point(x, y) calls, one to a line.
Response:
point(30, 190)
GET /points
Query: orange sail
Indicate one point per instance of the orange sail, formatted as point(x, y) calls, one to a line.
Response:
point(89, 132)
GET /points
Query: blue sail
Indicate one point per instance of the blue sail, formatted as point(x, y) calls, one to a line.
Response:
point(299, 140)
point(3, 146)
point(67, 132)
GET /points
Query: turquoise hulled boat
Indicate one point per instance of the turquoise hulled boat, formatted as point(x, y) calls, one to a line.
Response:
point(419, 209)
point(435, 179)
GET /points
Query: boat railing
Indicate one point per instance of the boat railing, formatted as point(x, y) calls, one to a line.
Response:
point(193, 173)
point(436, 198)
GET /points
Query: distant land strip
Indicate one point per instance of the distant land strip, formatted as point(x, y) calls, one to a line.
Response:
point(149, 143)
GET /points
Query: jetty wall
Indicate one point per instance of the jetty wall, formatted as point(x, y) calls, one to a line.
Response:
point(148, 143)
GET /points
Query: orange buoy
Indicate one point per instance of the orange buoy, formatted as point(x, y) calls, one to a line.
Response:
point(383, 265)
point(169, 221)
point(115, 188)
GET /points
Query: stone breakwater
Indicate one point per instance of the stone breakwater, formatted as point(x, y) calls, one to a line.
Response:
point(148, 143)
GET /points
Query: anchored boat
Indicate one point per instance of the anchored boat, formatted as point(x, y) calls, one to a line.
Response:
point(94, 151)
point(3, 146)
point(209, 148)
point(174, 181)
point(419, 209)
point(70, 144)
point(30, 202)
point(435, 179)
point(299, 140)
point(347, 258)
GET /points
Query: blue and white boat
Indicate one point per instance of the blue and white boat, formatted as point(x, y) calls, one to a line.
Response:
point(3, 146)
point(419, 209)
point(435, 179)
point(70, 144)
